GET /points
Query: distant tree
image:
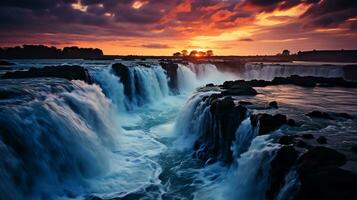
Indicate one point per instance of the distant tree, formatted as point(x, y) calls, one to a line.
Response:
point(184, 52)
point(286, 52)
point(202, 54)
point(193, 53)
point(209, 53)
point(177, 54)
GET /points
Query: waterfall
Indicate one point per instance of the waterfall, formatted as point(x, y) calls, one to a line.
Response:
point(249, 178)
point(111, 86)
point(194, 120)
point(270, 71)
point(192, 76)
point(146, 84)
point(244, 135)
point(63, 138)
point(54, 145)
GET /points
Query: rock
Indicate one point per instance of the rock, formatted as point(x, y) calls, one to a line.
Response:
point(217, 140)
point(284, 159)
point(210, 85)
point(273, 104)
point(245, 103)
point(5, 63)
point(171, 70)
point(301, 144)
point(318, 157)
point(291, 122)
point(74, 72)
point(319, 114)
point(354, 148)
point(268, 123)
point(344, 115)
point(237, 89)
point(307, 136)
point(286, 140)
point(321, 140)
point(330, 183)
point(123, 73)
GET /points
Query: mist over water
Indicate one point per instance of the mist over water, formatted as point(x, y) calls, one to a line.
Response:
point(71, 140)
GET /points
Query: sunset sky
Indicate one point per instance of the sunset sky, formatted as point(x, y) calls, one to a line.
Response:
point(161, 27)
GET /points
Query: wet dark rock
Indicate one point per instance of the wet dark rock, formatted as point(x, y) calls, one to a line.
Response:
point(245, 103)
point(171, 70)
point(123, 73)
point(217, 140)
point(268, 123)
point(210, 85)
point(321, 140)
point(286, 140)
point(319, 157)
point(321, 178)
point(238, 88)
point(291, 122)
point(344, 115)
point(284, 159)
point(301, 144)
point(273, 104)
point(329, 183)
point(67, 72)
point(6, 63)
point(6, 94)
point(307, 136)
point(354, 148)
point(319, 114)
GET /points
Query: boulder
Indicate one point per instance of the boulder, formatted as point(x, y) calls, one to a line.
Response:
point(236, 88)
point(321, 178)
point(321, 140)
point(284, 159)
point(123, 73)
point(74, 72)
point(307, 136)
point(171, 71)
point(318, 157)
point(268, 123)
point(354, 148)
point(245, 103)
point(286, 140)
point(319, 114)
point(5, 63)
point(330, 183)
point(273, 104)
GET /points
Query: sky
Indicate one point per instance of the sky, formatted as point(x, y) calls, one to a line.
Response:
point(162, 27)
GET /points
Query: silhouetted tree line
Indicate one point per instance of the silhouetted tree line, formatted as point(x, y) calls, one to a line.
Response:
point(194, 53)
point(42, 52)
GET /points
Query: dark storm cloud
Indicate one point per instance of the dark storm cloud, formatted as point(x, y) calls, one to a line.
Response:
point(330, 13)
point(156, 18)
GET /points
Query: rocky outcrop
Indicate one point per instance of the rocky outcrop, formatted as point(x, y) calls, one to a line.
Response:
point(67, 72)
point(171, 71)
point(216, 143)
point(5, 63)
point(280, 166)
point(123, 73)
point(237, 88)
point(268, 123)
point(319, 114)
point(321, 177)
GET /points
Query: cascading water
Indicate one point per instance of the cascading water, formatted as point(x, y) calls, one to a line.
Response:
point(192, 76)
point(69, 140)
point(270, 71)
